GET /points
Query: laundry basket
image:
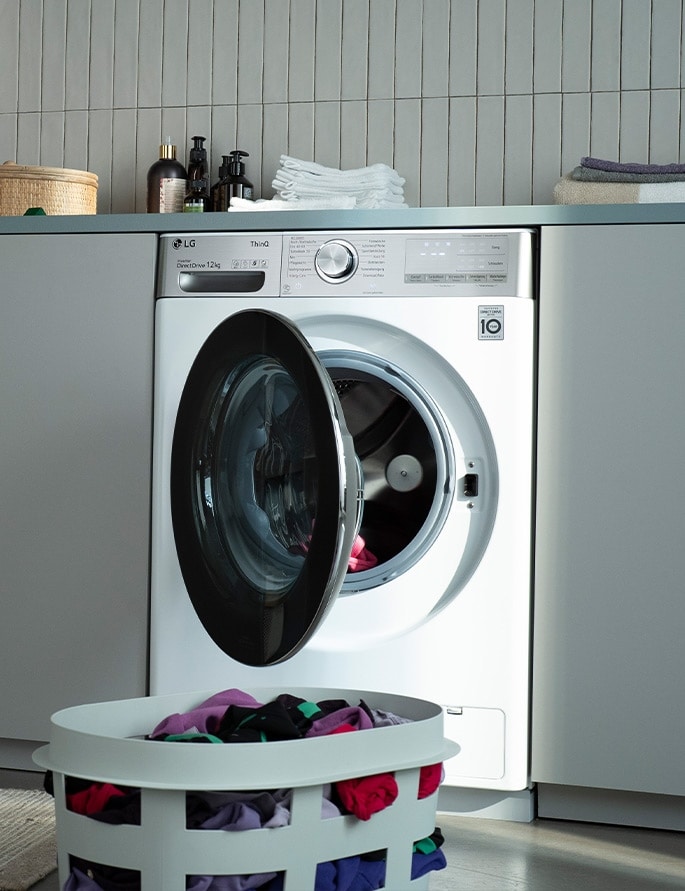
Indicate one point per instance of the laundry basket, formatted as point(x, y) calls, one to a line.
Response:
point(104, 742)
point(57, 190)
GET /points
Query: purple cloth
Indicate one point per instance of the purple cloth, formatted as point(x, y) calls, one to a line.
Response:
point(352, 715)
point(206, 716)
point(618, 167)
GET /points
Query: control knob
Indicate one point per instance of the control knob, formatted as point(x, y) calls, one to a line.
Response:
point(336, 261)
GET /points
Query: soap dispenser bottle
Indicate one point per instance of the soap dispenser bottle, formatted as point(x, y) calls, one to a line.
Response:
point(166, 182)
point(218, 193)
point(197, 199)
point(238, 185)
point(197, 160)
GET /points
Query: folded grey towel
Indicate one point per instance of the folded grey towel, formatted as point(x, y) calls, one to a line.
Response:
point(594, 175)
point(618, 167)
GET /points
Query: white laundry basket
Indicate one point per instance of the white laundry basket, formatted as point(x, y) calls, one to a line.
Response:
point(104, 742)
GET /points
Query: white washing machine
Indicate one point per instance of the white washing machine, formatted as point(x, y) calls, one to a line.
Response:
point(342, 475)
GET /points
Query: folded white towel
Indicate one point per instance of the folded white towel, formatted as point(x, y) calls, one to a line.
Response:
point(300, 193)
point(311, 167)
point(570, 191)
point(333, 202)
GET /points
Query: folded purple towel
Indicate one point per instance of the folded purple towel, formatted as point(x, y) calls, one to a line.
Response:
point(617, 167)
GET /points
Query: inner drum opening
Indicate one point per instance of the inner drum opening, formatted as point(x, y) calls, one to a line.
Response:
point(397, 456)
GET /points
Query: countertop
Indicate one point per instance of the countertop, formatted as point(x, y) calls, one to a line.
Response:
point(403, 218)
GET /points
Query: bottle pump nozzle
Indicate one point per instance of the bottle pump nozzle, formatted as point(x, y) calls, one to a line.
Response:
point(236, 166)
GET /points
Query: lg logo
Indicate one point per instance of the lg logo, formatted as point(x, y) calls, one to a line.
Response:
point(179, 243)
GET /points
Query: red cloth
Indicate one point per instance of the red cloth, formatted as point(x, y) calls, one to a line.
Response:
point(360, 556)
point(93, 799)
point(429, 779)
point(365, 796)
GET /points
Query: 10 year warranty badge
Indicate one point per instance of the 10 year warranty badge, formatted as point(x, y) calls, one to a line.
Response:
point(490, 323)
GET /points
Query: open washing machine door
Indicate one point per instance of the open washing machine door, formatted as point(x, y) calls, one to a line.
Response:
point(265, 488)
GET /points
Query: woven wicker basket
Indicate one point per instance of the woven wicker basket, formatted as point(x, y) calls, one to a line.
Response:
point(55, 189)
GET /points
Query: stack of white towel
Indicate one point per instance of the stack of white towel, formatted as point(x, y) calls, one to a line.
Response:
point(307, 181)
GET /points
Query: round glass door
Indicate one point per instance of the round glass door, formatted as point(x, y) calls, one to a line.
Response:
point(265, 488)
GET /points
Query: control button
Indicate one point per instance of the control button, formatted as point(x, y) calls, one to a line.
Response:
point(336, 261)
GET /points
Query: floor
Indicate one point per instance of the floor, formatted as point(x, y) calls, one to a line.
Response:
point(547, 855)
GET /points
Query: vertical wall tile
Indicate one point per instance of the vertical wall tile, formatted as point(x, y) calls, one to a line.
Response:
point(518, 152)
point(224, 132)
point(28, 138)
point(490, 76)
point(490, 150)
point(9, 47)
point(148, 128)
point(434, 152)
point(463, 47)
point(100, 155)
point(547, 46)
point(101, 66)
point(200, 48)
point(174, 52)
point(30, 53)
point(274, 144)
point(376, 130)
point(76, 140)
point(225, 52)
point(53, 61)
point(355, 49)
point(575, 129)
point(301, 59)
point(150, 29)
point(276, 42)
point(606, 45)
point(665, 48)
point(635, 45)
point(605, 125)
point(381, 49)
point(173, 125)
point(249, 129)
point(250, 52)
point(408, 49)
point(408, 147)
point(518, 49)
point(546, 146)
point(461, 183)
point(52, 139)
point(328, 49)
point(576, 41)
point(327, 133)
point(664, 127)
point(124, 184)
point(199, 123)
point(634, 127)
point(435, 49)
point(126, 31)
point(8, 137)
point(364, 133)
point(301, 131)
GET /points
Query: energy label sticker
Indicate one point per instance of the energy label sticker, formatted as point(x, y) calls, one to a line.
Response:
point(490, 323)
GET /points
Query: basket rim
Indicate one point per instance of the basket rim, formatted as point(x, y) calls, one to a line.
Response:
point(10, 170)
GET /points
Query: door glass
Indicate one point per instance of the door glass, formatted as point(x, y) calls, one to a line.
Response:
point(259, 493)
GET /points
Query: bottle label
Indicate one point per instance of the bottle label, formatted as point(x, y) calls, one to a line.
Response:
point(194, 206)
point(172, 191)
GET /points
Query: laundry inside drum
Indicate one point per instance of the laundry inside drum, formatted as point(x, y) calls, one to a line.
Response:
point(398, 458)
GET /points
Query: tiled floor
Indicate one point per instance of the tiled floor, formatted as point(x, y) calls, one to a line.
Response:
point(547, 855)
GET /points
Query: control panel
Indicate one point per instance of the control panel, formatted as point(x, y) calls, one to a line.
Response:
point(463, 262)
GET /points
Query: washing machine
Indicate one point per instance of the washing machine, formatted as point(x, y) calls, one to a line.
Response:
point(342, 473)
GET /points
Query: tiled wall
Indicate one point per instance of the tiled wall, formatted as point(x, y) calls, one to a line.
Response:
point(473, 101)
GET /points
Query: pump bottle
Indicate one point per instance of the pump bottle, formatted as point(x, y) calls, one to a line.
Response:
point(238, 186)
point(197, 160)
point(218, 192)
point(166, 182)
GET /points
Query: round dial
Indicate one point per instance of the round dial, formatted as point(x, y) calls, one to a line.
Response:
point(336, 260)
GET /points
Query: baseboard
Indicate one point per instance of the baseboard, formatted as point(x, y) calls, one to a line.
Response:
point(491, 804)
point(614, 806)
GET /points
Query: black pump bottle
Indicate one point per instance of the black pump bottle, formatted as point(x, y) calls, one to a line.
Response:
point(238, 186)
point(197, 160)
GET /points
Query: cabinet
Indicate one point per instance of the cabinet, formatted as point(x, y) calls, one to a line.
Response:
point(76, 334)
point(609, 614)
